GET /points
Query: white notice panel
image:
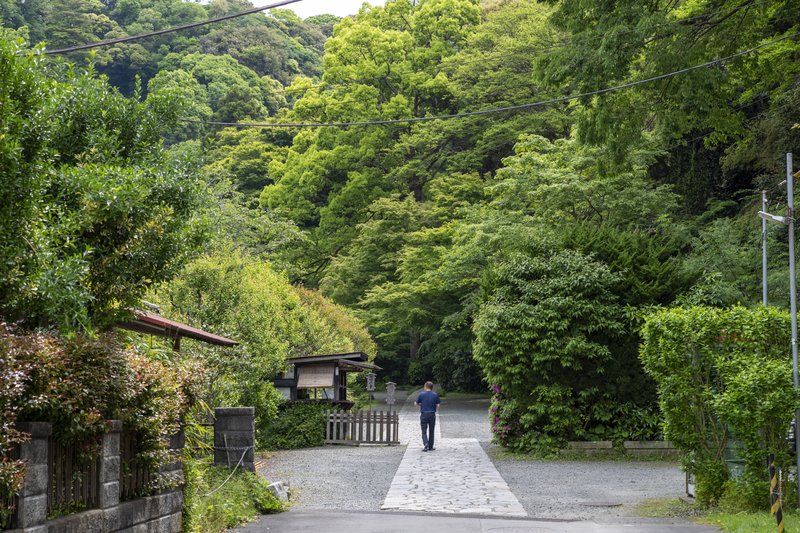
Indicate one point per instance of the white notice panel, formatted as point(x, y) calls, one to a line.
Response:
point(286, 392)
point(314, 376)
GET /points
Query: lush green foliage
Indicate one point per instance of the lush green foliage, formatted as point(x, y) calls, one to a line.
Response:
point(296, 425)
point(78, 383)
point(736, 106)
point(93, 211)
point(436, 235)
point(543, 337)
point(211, 507)
point(279, 45)
point(244, 298)
point(723, 380)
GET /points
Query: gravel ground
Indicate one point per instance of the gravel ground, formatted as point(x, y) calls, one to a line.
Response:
point(582, 490)
point(358, 478)
point(336, 477)
point(563, 489)
point(464, 416)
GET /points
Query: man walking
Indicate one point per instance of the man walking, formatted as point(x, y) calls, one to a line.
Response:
point(428, 402)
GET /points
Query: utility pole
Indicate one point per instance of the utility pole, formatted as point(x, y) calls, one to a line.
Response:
point(793, 306)
point(788, 221)
point(764, 250)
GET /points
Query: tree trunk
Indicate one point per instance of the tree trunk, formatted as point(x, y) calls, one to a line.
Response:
point(413, 337)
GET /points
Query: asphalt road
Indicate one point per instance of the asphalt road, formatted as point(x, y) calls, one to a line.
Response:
point(391, 522)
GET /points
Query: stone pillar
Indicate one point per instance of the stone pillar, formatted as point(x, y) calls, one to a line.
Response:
point(32, 500)
point(108, 474)
point(235, 430)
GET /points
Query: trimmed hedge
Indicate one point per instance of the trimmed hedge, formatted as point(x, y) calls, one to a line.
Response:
point(297, 425)
point(723, 373)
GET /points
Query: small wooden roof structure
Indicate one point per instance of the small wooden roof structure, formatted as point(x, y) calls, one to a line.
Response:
point(356, 360)
point(152, 324)
point(328, 371)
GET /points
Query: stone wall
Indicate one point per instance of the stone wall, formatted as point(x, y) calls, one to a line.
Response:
point(234, 437)
point(161, 513)
point(629, 447)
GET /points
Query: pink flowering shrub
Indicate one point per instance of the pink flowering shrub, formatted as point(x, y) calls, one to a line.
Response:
point(500, 419)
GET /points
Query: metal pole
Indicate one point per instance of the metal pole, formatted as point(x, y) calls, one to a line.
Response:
point(764, 250)
point(793, 305)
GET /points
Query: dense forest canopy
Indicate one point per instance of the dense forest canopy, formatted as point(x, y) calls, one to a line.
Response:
point(512, 248)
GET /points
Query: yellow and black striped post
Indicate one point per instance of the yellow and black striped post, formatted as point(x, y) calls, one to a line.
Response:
point(775, 493)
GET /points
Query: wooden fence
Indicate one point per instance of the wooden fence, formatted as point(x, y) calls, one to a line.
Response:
point(9, 503)
point(135, 475)
point(73, 484)
point(362, 427)
point(8, 521)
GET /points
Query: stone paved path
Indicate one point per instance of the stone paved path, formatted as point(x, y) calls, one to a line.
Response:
point(457, 477)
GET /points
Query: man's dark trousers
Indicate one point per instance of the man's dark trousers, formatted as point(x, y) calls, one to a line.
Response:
point(428, 423)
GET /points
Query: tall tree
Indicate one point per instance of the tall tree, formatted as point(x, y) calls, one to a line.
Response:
point(102, 211)
point(731, 105)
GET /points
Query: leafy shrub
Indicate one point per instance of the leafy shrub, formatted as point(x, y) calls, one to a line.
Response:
point(297, 425)
point(80, 382)
point(13, 372)
point(211, 504)
point(723, 371)
point(99, 212)
point(542, 336)
point(636, 422)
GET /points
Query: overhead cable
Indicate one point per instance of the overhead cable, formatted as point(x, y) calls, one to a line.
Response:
point(677, 23)
point(499, 109)
point(108, 42)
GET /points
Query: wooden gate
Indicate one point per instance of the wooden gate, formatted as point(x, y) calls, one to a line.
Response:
point(362, 427)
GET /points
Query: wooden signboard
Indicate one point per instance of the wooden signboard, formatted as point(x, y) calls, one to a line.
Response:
point(315, 376)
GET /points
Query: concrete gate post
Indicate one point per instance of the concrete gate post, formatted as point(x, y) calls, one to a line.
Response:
point(235, 437)
point(108, 474)
point(32, 500)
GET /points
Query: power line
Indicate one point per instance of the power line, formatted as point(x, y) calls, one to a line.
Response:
point(499, 109)
point(677, 23)
point(169, 30)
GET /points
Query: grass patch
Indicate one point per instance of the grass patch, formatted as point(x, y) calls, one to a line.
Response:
point(211, 509)
point(453, 395)
point(670, 508)
point(615, 454)
point(728, 522)
point(751, 522)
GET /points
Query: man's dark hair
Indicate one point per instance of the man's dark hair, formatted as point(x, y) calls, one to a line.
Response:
point(429, 385)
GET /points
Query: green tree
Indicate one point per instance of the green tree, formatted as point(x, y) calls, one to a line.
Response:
point(543, 336)
point(248, 156)
point(103, 212)
point(331, 176)
point(74, 22)
point(732, 106)
point(246, 299)
point(234, 91)
point(279, 45)
point(181, 85)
